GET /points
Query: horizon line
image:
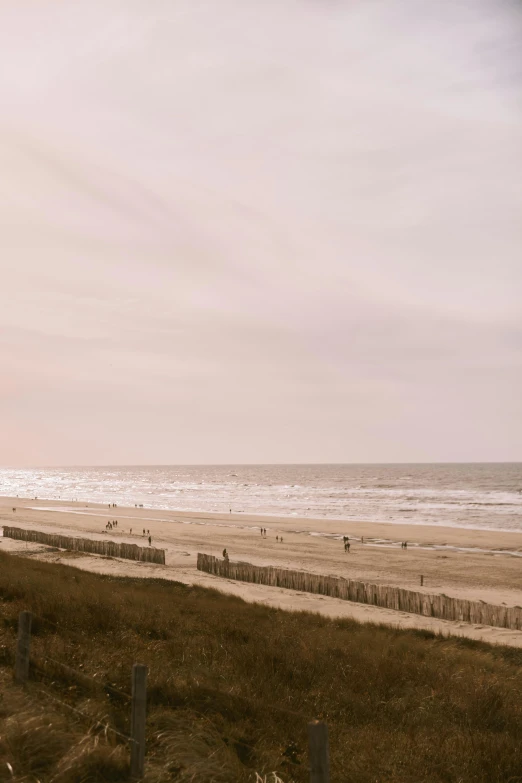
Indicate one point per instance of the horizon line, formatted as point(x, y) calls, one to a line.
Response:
point(250, 464)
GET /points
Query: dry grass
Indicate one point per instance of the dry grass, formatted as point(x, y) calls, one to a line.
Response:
point(38, 743)
point(232, 686)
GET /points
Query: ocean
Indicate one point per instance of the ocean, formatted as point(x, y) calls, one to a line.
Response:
point(476, 496)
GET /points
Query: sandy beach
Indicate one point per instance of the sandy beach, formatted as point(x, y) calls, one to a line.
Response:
point(475, 564)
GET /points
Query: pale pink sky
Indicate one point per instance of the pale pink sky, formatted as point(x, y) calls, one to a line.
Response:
point(260, 231)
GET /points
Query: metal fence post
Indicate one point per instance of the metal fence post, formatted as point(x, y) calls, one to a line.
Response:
point(138, 720)
point(23, 646)
point(318, 752)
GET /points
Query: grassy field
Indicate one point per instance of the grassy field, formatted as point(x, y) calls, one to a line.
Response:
point(233, 685)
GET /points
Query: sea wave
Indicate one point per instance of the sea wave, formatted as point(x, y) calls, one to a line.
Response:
point(475, 496)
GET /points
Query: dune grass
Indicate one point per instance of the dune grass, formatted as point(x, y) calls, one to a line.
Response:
point(232, 686)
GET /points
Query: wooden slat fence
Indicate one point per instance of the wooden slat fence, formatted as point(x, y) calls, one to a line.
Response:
point(146, 554)
point(388, 597)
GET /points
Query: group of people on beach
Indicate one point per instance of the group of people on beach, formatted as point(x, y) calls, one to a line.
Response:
point(279, 539)
point(404, 545)
point(148, 533)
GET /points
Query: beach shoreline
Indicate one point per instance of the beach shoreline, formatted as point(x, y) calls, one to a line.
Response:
point(413, 531)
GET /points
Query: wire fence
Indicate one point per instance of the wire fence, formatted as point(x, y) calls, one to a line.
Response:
point(24, 662)
point(81, 675)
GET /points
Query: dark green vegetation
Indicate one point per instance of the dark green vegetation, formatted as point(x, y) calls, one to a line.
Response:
point(232, 686)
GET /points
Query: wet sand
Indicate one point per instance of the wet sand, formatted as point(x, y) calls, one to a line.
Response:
point(479, 565)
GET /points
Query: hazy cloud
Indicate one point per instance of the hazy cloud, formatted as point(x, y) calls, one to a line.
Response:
point(260, 231)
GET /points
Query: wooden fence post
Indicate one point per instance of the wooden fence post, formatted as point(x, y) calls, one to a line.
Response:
point(23, 646)
point(318, 752)
point(138, 720)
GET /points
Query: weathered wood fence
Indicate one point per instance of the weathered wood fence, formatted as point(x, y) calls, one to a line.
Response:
point(397, 598)
point(94, 546)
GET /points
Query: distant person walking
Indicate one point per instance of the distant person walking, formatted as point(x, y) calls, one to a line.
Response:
point(346, 546)
point(150, 540)
point(225, 554)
